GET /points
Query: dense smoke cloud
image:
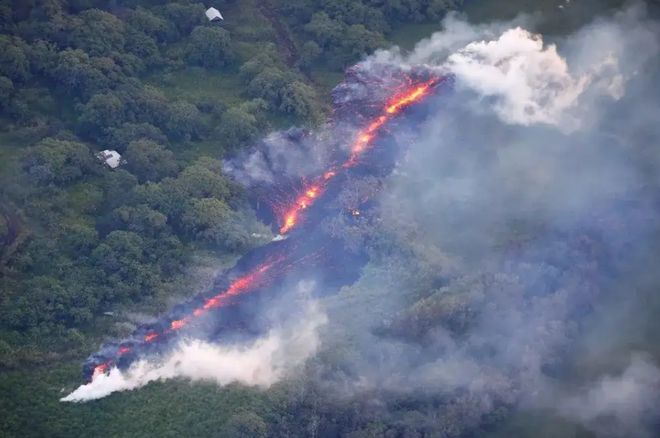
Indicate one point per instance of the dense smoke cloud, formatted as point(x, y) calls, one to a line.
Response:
point(530, 83)
point(260, 362)
point(522, 192)
point(616, 405)
point(291, 153)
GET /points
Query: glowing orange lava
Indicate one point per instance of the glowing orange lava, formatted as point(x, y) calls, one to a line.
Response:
point(100, 369)
point(150, 337)
point(238, 286)
point(363, 140)
point(290, 215)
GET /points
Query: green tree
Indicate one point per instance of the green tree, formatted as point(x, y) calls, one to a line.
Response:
point(184, 16)
point(325, 30)
point(143, 47)
point(43, 56)
point(101, 112)
point(437, 9)
point(83, 75)
point(122, 256)
point(203, 179)
point(145, 104)
point(144, 20)
point(78, 238)
point(4, 228)
point(266, 58)
point(237, 127)
point(117, 187)
point(184, 121)
point(13, 59)
point(206, 219)
point(140, 219)
point(98, 32)
point(309, 53)
point(209, 46)
point(58, 161)
point(150, 161)
point(359, 41)
point(245, 425)
point(300, 99)
point(119, 138)
point(269, 84)
point(6, 91)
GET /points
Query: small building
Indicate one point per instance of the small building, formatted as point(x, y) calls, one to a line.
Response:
point(213, 14)
point(112, 159)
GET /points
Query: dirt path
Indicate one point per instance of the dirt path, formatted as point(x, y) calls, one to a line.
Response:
point(16, 234)
point(284, 41)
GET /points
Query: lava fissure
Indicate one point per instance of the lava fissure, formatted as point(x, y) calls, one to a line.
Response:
point(259, 274)
point(364, 138)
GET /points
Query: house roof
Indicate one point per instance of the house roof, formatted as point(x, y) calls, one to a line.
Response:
point(111, 158)
point(213, 14)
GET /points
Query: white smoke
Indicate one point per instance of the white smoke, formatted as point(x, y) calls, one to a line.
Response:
point(530, 83)
point(525, 140)
point(616, 405)
point(260, 363)
point(525, 81)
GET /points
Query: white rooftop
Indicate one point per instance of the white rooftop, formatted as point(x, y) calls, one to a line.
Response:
point(111, 158)
point(213, 14)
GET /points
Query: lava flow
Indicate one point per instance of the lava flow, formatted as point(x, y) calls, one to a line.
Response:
point(266, 270)
point(363, 140)
point(253, 279)
point(239, 286)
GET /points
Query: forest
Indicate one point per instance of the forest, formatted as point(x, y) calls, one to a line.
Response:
point(81, 77)
point(173, 94)
point(87, 252)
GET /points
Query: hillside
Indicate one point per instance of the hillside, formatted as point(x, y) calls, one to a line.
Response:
point(504, 252)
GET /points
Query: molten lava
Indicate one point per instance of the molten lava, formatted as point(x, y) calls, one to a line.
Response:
point(310, 192)
point(242, 284)
point(256, 278)
point(100, 369)
point(290, 215)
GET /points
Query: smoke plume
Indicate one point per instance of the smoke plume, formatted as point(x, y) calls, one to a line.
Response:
point(512, 211)
point(615, 405)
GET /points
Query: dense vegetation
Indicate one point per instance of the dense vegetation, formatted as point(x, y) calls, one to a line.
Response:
point(174, 94)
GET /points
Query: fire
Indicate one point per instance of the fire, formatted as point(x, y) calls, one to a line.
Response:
point(253, 279)
point(179, 323)
point(100, 369)
point(238, 286)
point(408, 98)
point(150, 337)
point(304, 200)
point(363, 141)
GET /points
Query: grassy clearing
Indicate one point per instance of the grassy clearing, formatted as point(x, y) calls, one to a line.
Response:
point(195, 83)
